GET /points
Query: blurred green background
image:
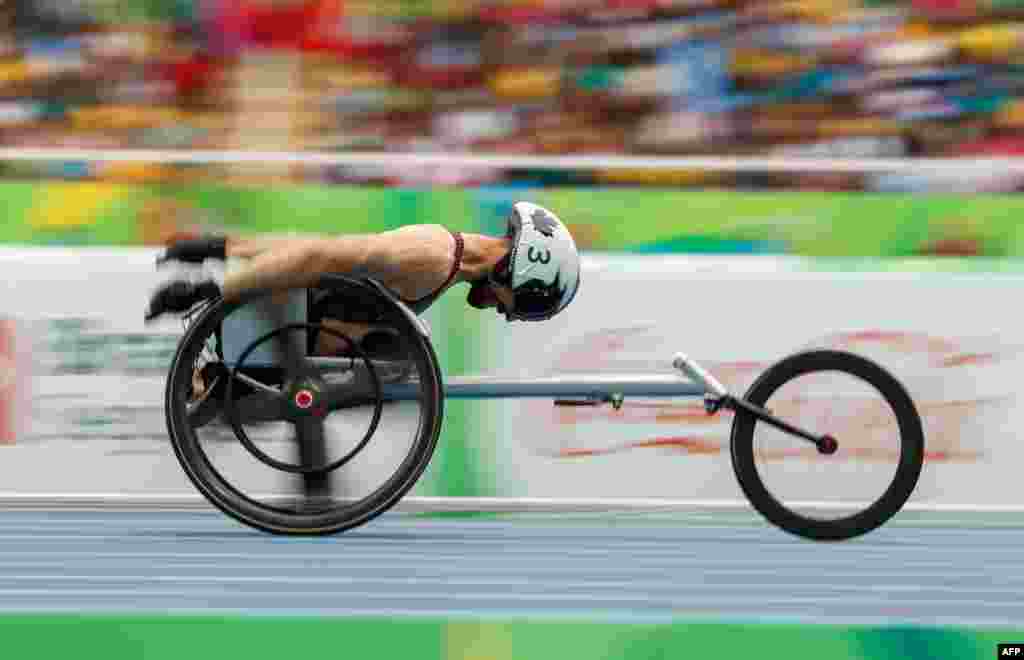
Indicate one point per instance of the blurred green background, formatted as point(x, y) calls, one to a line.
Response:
point(637, 220)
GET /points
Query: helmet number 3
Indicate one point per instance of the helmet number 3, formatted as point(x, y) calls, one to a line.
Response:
point(540, 256)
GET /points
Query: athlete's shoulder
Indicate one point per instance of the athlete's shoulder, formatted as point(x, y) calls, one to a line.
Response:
point(416, 247)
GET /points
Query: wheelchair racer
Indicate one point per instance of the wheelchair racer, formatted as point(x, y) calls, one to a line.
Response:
point(530, 274)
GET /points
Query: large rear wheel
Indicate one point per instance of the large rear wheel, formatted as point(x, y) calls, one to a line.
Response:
point(294, 443)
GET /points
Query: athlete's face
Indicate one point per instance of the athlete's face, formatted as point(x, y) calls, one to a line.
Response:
point(484, 295)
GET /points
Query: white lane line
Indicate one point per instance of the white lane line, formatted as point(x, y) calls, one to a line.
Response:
point(285, 568)
point(773, 540)
point(684, 616)
point(192, 501)
point(486, 539)
point(1005, 558)
point(596, 520)
point(410, 546)
point(552, 559)
point(330, 611)
point(625, 586)
point(553, 556)
point(252, 597)
point(484, 531)
point(578, 545)
point(479, 535)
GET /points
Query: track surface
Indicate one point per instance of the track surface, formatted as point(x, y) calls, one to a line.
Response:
point(920, 569)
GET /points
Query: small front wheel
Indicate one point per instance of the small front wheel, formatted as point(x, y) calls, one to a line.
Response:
point(857, 479)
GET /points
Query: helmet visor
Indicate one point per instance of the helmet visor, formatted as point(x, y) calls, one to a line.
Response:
point(534, 301)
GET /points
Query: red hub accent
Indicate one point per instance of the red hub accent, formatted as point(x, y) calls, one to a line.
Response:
point(304, 399)
point(828, 446)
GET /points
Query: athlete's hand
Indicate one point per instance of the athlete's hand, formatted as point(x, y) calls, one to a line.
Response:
point(196, 250)
point(180, 296)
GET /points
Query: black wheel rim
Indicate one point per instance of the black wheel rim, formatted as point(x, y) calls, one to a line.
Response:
point(222, 493)
point(903, 480)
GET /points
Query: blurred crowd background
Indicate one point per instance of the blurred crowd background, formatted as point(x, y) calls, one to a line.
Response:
point(873, 78)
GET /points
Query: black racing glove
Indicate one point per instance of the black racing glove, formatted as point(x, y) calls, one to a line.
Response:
point(196, 250)
point(180, 296)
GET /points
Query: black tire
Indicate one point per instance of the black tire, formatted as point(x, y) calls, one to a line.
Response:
point(908, 468)
point(231, 501)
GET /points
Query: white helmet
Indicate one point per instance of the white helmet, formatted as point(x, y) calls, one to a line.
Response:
point(543, 267)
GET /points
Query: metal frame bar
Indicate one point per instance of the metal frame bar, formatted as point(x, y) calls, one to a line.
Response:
point(588, 386)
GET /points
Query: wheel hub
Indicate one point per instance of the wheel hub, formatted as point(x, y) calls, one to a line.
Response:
point(307, 398)
point(304, 399)
point(828, 446)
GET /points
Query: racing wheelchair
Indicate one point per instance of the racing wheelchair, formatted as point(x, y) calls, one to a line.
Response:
point(270, 378)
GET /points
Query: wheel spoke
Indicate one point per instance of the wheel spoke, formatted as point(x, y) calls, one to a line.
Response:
point(766, 417)
point(361, 392)
point(259, 386)
point(262, 407)
point(292, 356)
point(309, 433)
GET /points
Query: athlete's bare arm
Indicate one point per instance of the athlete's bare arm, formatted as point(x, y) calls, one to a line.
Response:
point(247, 247)
point(413, 260)
point(296, 264)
